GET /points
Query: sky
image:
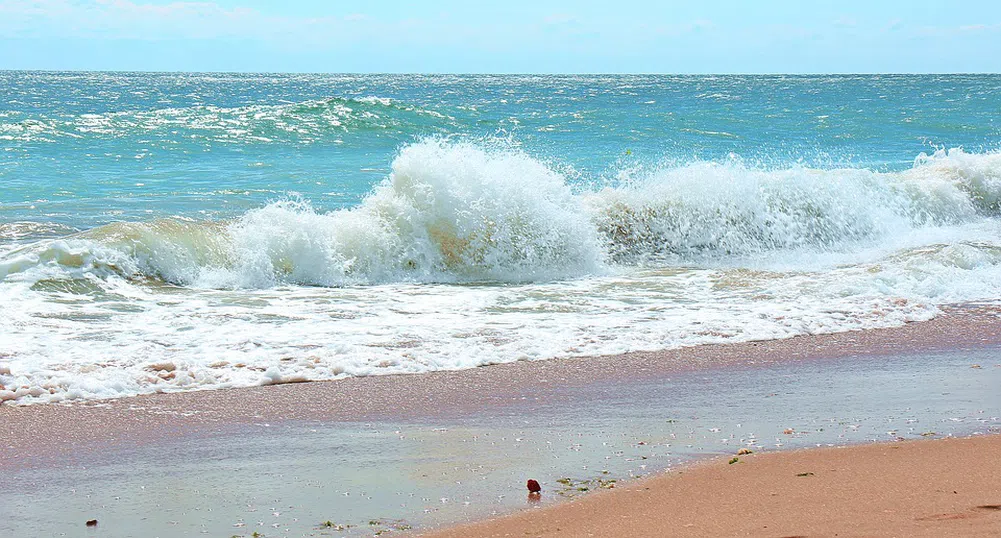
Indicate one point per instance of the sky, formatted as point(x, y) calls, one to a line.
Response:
point(514, 36)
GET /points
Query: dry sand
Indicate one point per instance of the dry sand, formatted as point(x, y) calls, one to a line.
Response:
point(937, 488)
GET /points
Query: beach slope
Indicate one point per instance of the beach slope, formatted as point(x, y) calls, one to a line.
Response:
point(948, 487)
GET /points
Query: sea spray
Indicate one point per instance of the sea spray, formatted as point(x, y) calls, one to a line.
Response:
point(717, 210)
point(461, 212)
point(471, 254)
point(447, 212)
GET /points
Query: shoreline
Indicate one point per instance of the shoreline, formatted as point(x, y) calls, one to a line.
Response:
point(96, 425)
point(430, 451)
point(884, 489)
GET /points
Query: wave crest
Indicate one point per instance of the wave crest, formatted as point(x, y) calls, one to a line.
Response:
point(461, 212)
point(448, 212)
point(724, 209)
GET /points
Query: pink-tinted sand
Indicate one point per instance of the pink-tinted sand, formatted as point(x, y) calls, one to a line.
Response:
point(55, 431)
point(935, 488)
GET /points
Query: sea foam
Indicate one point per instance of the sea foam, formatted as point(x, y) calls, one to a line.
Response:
point(460, 212)
point(471, 254)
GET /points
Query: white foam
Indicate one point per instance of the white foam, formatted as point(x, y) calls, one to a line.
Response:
point(721, 210)
point(448, 212)
point(678, 256)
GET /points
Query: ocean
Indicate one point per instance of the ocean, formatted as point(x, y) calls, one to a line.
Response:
point(185, 231)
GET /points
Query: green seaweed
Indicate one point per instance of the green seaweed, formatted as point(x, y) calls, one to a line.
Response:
point(571, 487)
point(335, 526)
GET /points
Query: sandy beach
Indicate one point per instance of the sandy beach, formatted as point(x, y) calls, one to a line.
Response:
point(94, 425)
point(916, 488)
point(456, 447)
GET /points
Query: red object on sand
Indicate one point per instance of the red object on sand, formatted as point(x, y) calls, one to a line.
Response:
point(533, 486)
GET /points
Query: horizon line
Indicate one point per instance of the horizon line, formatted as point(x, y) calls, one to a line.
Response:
point(511, 73)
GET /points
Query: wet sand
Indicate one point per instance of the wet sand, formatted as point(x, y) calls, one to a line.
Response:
point(917, 488)
point(38, 432)
point(433, 450)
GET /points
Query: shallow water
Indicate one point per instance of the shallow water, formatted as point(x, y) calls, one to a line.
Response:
point(288, 478)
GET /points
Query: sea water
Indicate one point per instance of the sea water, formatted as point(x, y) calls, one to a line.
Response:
point(183, 231)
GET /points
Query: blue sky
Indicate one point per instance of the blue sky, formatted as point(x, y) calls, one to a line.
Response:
point(523, 36)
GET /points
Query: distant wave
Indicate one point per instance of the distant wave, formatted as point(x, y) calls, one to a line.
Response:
point(301, 122)
point(461, 212)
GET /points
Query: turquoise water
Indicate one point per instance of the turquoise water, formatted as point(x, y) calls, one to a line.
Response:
point(182, 231)
point(83, 149)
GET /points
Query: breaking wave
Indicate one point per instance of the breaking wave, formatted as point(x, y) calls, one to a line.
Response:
point(461, 212)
